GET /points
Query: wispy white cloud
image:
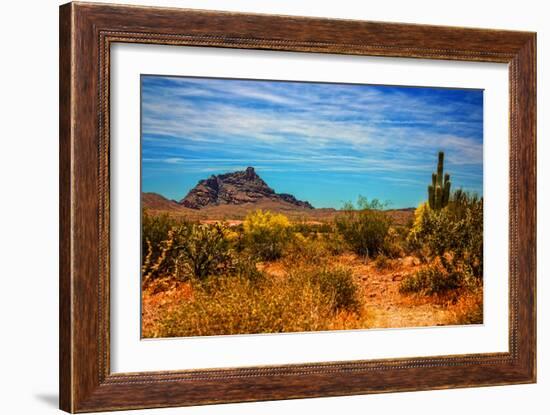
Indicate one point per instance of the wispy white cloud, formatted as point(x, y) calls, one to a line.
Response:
point(211, 125)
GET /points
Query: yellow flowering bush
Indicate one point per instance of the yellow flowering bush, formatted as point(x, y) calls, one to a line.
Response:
point(266, 234)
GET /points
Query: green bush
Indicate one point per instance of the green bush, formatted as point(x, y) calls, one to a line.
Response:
point(467, 246)
point(452, 241)
point(311, 230)
point(455, 231)
point(154, 229)
point(266, 234)
point(157, 255)
point(182, 249)
point(334, 242)
point(338, 284)
point(201, 250)
point(304, 250)
point(366, 228)
point(433, 279)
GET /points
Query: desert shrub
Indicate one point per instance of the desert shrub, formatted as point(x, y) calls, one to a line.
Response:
point(381, 262)
point(302, 301)
point(467, 246)
point(201, 250)
point(437, 232)
point(416, 233)
point(461, 202)
point(393, 244)
point(329, 241)
point(469, 308)
point(235, 236)
point(310, 230)
point(399, 239)
point(304, 250)
point(454, 233)
point(157, 241)
point(266, 234)
point(365, 229)
point(154, 229)
point(314, 249)
point(334, 242)
point(433, 279)
point(184, 250)
point(244, 266)
point(338, 284)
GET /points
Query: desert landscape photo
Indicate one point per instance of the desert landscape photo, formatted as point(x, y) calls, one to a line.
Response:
point(278, 207)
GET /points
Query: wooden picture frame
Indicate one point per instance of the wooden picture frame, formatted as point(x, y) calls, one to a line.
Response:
point(86, 33)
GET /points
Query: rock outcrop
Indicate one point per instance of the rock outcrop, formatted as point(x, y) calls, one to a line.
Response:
point(236, 188)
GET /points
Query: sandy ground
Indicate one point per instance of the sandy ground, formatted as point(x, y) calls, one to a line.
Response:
point(388, 306)
point(383, 301)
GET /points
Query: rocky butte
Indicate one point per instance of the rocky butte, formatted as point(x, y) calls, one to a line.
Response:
point(237, 188)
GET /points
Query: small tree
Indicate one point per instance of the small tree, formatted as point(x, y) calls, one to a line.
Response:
point(366, 228)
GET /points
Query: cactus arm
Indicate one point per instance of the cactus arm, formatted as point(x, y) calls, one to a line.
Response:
point(446, 193)
point(431, 197)
point(440, 159)
point(440, 189)
point(438, 193)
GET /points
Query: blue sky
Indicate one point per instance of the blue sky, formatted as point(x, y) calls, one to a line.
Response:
point(324, 143)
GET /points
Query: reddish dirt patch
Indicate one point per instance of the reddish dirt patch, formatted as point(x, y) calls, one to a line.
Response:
point(388, 307)
point(392, 309)
point(159, 297)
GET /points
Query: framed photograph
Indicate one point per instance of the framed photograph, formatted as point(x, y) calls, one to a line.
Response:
point(258, 207)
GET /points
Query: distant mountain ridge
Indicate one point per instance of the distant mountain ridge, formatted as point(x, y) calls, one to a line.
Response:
point(236, 188)
point(155, 201)
point(233, 195)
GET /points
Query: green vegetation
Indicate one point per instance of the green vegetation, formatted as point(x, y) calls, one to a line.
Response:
point(202, 251)
point(365, 228)
point(266, 234)
point(450, 240)
point(338, 285)
point(158, 258)
point(432, 279)
point(183, 249)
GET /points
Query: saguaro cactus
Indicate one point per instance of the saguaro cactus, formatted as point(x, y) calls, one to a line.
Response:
point(440, 189)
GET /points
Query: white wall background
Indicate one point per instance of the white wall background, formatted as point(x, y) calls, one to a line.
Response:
point(29, 189)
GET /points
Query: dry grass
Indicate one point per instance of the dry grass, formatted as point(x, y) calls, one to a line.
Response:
point(298, 302)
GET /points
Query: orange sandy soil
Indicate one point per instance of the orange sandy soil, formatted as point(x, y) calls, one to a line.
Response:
point(160, 297)
point(385, 305)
